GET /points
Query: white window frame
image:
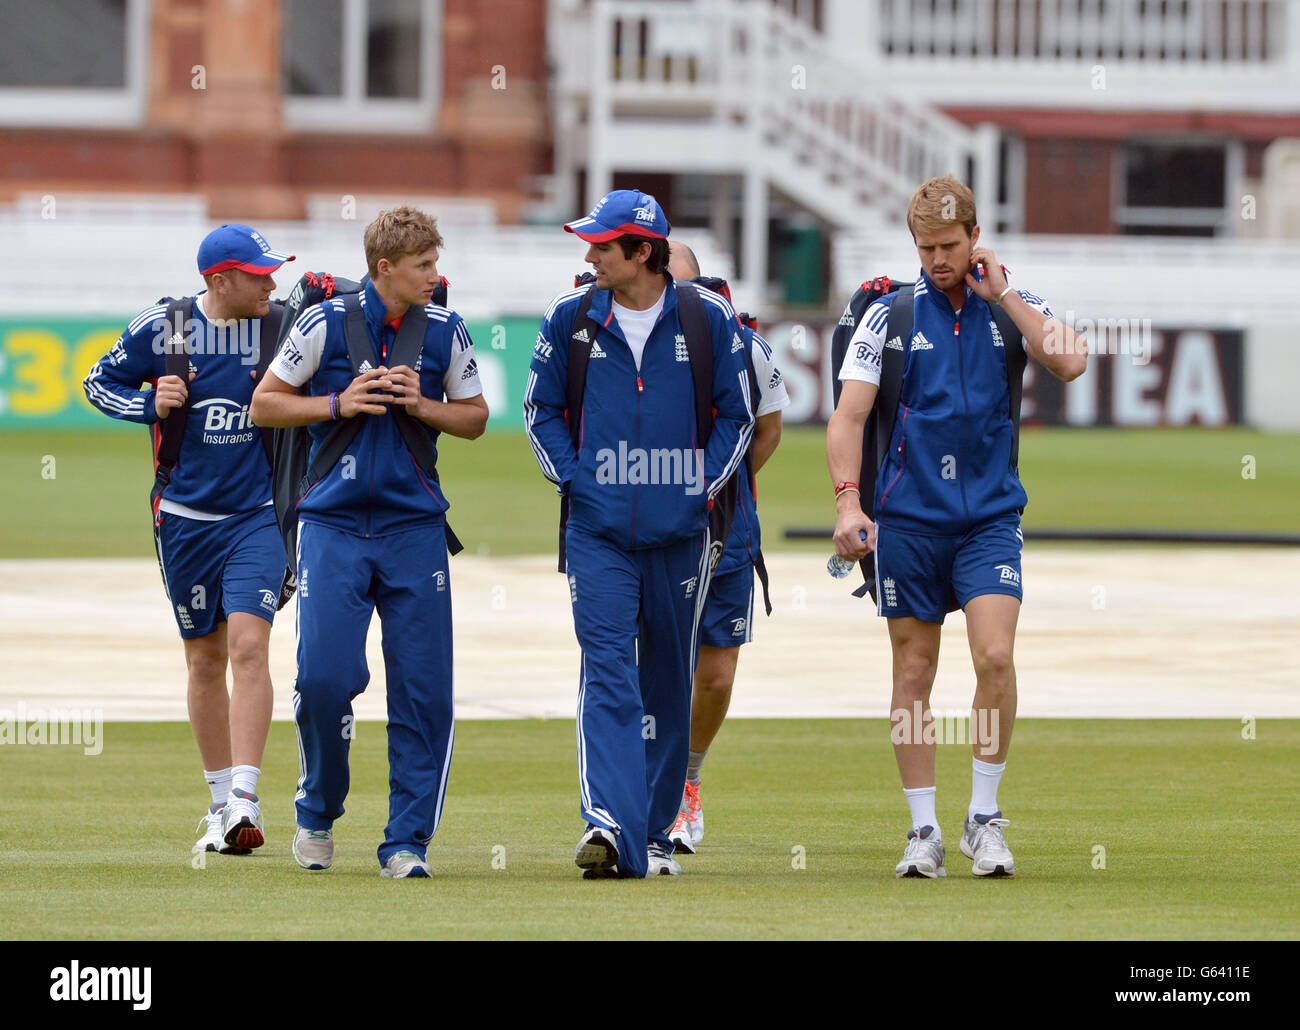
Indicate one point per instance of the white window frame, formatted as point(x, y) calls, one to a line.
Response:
point(98, 107)
point(1220, 220)
point(355, 112)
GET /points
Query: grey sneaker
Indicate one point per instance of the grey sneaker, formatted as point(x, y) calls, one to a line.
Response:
point(661, 861)
point(313, 849)
point(403, 865)
point(597, 854)
point(241, 821)
point(983, 843)
point(923, 857)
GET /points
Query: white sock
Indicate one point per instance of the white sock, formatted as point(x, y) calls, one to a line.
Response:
point(984, 780)
point(694, 761)
point(244, 777)
point(219, 784)
point(921, 801)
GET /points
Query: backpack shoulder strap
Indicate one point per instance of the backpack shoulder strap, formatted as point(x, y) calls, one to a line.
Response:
point(1014, 343)
point(699, 348)
point(406, 351)
point(580, 339)
point(341, 434)
point(409, 343)
point(880, 426)
point(892, 361)
point(270, 334)
point(361, 352)
point(857, 306)
point(760, 564)
point(178, 319)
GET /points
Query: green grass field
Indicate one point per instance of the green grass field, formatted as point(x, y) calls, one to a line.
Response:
point(1189, 479)
point(1187, 811)
point(805, 818)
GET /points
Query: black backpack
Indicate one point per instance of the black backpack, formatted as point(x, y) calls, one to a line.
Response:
point(167, 435)
point(880, 423)
point(294, 471)
point(699, 348)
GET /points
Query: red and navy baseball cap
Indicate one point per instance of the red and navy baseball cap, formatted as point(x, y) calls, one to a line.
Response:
point(238, 246)
point(622, 213)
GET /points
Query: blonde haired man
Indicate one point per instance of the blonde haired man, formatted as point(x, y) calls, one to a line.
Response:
point(947, 502)
point(372, 534)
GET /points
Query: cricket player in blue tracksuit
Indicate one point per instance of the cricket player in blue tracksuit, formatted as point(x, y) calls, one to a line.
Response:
point(947, 503)
point(372, 536)
point(218, 545)
point(727, 621)
point(638, 551)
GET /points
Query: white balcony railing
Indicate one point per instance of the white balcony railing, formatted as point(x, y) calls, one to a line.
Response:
point(1207, 54)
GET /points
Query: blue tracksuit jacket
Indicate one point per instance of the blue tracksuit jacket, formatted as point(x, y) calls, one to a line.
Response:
point(222, 468)
point(625, 412)
point(381, 490)
point(949, 462)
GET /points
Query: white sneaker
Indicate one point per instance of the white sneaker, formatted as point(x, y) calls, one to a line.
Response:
point(688, 830)
point(403, 865)
point(597, 854)
point(983, 843)
point(661, 861)
point(313, 849)
point(923, 857)
point(241, 822)
point(210, 824)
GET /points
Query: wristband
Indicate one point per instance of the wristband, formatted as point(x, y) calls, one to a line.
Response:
point(1003, 294)
point(844, 486)
point(335, 407)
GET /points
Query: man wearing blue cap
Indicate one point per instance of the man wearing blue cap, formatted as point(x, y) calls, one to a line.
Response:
point(641, 471)
point(218, 544)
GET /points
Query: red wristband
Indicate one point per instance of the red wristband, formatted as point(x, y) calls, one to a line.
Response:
point(843, 486)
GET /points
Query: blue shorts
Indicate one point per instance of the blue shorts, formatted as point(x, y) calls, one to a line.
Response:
point(215, 568)
point(925, 577)
point(729, 610)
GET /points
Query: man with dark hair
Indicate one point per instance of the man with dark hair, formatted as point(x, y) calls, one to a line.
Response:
point(640, 484)
point(218, 545)
point(657, 259)
point(372, 535)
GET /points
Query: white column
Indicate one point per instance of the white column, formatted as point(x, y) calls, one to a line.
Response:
point(986, 174)
point(1291, 40)
point(600, 113)
point(753, 233)
point(722, 213)
point(854, 25)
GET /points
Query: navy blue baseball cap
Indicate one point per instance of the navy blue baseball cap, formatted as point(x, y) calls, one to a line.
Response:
point(238, 246)
point(622, 213)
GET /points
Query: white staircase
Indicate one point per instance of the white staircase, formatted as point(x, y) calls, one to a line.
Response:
point(742, 88)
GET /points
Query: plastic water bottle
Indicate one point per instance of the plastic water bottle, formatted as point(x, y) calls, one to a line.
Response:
point(839, 567)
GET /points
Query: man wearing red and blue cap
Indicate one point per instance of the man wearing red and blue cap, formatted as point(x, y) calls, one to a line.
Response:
point(640, 484)
point(218, 545)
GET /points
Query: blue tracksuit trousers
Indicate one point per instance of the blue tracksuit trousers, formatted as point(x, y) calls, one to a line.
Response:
point(635, 614)
point(342, 580)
